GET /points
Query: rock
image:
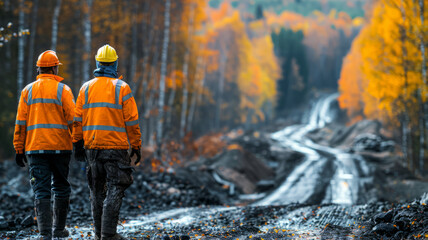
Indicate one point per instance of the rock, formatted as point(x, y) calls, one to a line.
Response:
point(371, 142)
point(172, 190)
point(385, 229)
point(28, 221)
point(3, 225)
point(384, 217)
point(399, 235)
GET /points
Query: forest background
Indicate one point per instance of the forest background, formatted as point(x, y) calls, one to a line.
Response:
point(199, 67)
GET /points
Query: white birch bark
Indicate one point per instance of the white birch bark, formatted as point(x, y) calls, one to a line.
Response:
point(164, 59)
point(185, 79)
point(55, 17)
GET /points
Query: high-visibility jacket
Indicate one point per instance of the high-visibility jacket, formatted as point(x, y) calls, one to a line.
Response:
point(45, 117)
point(106, 115)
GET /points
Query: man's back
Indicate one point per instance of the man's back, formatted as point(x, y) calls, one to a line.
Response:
point(46, 110)
point(108, 114)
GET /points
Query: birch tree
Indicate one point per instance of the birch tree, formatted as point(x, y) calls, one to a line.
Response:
point(87, 33)
point(55, 17)
point(164, 58)
point(186, 77)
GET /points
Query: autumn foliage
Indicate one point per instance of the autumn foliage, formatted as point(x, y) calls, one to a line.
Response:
point(384, 74)
point(383, 70)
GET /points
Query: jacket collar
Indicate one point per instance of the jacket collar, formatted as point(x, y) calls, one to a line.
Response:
point(56, 77)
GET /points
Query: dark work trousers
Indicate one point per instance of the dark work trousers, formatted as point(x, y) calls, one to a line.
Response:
point(109, 174)
point(49, 172)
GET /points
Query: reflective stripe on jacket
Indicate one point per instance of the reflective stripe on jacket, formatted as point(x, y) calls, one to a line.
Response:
point(106, 115)
point(45, 117)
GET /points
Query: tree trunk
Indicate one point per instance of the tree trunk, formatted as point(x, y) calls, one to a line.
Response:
point(171, 98)
point(198, 87)
point(6, 5)
point(185, 79)
point(151, 99)
point(423, 123)
point(55, 17)
point(406, 133)
point(21, 49)
point(33, 34)
point(146, 52)
point(133, 62)
point(164, 59)
point(223, 61)
point(144, 100)
point(185, 93)
point(87, 46)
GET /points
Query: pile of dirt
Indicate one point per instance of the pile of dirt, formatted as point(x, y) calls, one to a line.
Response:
point(365, 135)
point(250, 163)
point(405, 221)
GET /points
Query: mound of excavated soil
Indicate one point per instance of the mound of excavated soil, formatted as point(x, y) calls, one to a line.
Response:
point(404, 221)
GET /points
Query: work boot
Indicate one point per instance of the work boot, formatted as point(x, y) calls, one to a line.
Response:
point(116, 236)
point(44, 217)
point(60, 211)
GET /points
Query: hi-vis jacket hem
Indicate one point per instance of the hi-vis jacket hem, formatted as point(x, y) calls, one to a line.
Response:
point(106, 115)
point(49, 152)
point(45, 116)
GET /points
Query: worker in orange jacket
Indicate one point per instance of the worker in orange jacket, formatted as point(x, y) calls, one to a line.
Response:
point(105, 124)
point(43, 134)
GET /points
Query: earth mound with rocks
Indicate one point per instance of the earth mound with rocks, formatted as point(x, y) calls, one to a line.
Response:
point(404, 221)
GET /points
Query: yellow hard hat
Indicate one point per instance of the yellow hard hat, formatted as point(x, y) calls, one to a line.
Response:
point(106, 54)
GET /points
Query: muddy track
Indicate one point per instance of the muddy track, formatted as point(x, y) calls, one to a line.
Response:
point(326, 175)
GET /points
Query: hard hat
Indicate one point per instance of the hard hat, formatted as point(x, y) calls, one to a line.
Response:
point(48, 59)
point(106, 54)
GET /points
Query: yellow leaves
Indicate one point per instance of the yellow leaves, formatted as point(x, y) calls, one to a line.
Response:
point(175, 79)
point(358, 21)
point(248, 63)
point(383, 69)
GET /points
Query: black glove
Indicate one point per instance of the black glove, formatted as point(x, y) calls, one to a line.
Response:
point(79, 151)
point(21, 159)
point(138, 152)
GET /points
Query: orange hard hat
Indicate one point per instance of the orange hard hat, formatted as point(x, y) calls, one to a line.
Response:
point(48, 59)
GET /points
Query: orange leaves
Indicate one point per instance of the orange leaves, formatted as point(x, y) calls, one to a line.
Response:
point(221, 13)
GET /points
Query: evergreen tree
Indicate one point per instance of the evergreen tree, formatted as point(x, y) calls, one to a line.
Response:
point(290, 49)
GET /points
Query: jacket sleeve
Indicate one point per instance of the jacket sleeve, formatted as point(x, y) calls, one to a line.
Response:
point(68, 106)
point(130, 115)
point(77, 124)
point(21, 124)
